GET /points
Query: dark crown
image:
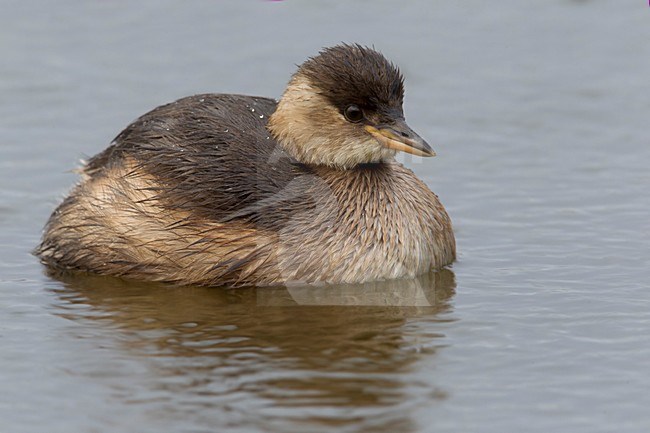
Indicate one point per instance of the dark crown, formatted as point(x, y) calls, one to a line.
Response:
point(347, 74)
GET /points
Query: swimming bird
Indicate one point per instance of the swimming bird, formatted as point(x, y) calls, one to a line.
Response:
point(233, 190)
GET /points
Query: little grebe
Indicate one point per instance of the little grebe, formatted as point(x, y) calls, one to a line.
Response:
point(235, 190)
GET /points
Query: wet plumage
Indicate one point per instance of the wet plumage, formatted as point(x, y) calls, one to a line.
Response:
point(236, 190)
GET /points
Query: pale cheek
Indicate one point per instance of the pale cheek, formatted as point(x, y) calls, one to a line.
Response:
point(359, 151)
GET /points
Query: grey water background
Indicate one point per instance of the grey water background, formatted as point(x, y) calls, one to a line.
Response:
point(539, 114)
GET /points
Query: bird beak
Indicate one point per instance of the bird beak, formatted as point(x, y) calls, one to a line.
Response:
point(399, 136)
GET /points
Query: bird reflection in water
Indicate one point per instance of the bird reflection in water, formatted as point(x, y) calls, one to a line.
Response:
point(319, 357)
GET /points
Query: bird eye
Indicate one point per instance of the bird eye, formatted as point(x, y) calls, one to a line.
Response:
point(353, 113)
